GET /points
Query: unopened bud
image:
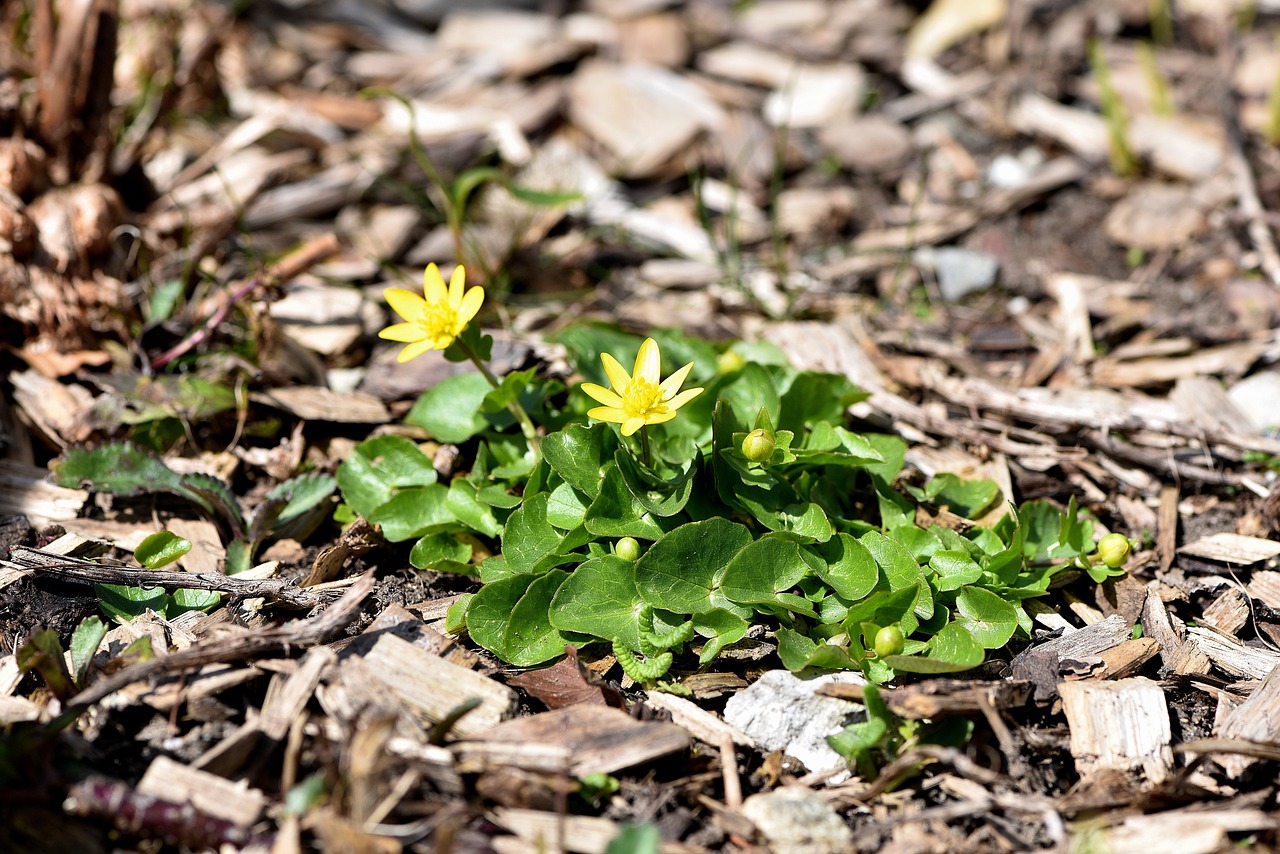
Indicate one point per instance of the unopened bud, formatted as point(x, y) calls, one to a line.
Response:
point(1113, 550)
point(627, 548)
point(889, 641)
point(758, 445)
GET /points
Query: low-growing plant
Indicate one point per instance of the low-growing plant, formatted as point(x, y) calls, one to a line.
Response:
point(666, 521)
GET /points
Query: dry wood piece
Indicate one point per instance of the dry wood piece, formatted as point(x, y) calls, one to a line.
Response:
point(1256, 720)
point(1230, 654)
point(936, 698)
point(1043, 664)
point(216, 796)
point(1127, 658)
point(580, 834)
point(42, 562)
point(1177, 654)
point(240, 646)
point(593, 738)
point(26, 491)
point(1232, 548)
point(1119, 726)
point(1229, 612)
point(697, 721)
point(435, 687)
point(1185, 831)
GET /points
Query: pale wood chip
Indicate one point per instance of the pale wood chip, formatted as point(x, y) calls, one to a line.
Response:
point(1121, 725)
point(213, 795)
point(434, 687)
point(1232, 548)
point(1231, 655)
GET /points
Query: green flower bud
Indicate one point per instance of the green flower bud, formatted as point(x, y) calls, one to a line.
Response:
point(627, 548)
point(729, 361)
point(1113, 550)
point(889, 641)
point(758, 445)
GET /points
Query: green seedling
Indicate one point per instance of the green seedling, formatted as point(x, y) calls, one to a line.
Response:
point(883, 737)
point(1123, 161)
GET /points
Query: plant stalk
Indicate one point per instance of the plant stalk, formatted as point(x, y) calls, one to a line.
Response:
point(514, 407)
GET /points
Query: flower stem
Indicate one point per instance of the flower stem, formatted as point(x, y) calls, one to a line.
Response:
point(514, 407)
point(645, 455)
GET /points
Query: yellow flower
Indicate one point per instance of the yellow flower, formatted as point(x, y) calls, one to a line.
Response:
point(639, 398)
point(434, 321)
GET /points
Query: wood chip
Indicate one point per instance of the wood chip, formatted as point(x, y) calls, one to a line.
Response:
point(1232, 548)
point(26, 491)
point(1120, 726)
point(697, 721)
point(1256, 720)
point(1231, 655)
point(596, 738)
point(320, 404)
point(435, 687)
point(1176, 652)
point(216, 796)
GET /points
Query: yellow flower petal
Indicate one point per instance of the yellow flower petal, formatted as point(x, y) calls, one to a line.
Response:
point(618, 376)
point(469, 306)
point(648, 362)
point(407, 304)
point(631, 425)
point(672, 384)
point(660, 417)
point(682, 398)
point(433, 285)
point(607, 413)
point(414, 350)
point(456, 282)
point(402, 332)
point(602, 394)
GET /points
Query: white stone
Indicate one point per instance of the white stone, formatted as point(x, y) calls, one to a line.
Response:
point(1258, 398)
point(816, 95)
point(783, 712)
point(796, 820)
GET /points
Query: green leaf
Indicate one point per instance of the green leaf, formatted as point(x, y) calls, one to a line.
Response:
point(762, 570)
point(899, 568)
point(951, 650)
point(413, 512)
point(508, 391)
point(183, 600)
point(531, 638)
point(84, 645)
point(442, 552)
point(967, 498)
point(306, 505)
point(161, 549)
point(528, 536)
point(467, 505)
point(954, 569)
point(721, 628)
point(600, 598)
point(579, 454)
point(799, 652)
point(542, 198)
point(847, 567)
point(990, 620)
point(616, 513)
point(451, 410)
point(635, 839)
point(814, 397)
point(489, 613)
point(659, 497)
point(213, 494)
point(565, 507)
point(683, 570)
point(124, 602)
point(42, 653)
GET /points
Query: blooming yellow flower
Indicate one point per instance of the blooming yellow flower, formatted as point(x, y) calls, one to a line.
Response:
point(639, 398)
point(431, 323)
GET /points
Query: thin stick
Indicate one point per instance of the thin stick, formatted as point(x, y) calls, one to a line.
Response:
point(297, 261)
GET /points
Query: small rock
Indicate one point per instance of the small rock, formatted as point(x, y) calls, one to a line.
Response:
point(747, 63)
point(783, 712)
point(814, 211)
point(960, 271)
point(661, 39)
point(1155, 216)
point(326, 319)
point(644, 115)
point(867, 143)
point(816, 95)
point(1258, 399)
point(796, 820)
point(1009, 171)
point(1181, 146)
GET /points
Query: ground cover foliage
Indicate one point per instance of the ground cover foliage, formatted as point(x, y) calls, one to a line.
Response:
point(937, 512)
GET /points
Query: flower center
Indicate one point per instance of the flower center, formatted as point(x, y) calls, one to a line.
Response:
point(643, 398)
point(438, 319)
